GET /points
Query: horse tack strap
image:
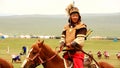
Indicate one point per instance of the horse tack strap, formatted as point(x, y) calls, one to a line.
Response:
point(41, 60)
point(51, 57)
point(47, 59)
point(65, 63)
point(35, 56)
point(31, 59)
point(98, 66)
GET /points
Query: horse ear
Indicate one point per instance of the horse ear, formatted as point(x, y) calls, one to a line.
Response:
point(42, 42)
point(38, 41)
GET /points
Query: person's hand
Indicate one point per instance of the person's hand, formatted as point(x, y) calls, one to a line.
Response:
point(58, 51)
point(68, 45)
point(60, 48)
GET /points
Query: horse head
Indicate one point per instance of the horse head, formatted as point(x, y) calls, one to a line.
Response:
point(34, 57)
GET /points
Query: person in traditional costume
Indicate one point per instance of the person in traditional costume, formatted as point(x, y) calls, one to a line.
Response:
point(73, 37)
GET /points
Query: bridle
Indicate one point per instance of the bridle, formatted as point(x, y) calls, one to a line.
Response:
point(40, 59)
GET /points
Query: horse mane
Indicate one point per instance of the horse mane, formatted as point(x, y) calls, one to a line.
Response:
point(46, 48)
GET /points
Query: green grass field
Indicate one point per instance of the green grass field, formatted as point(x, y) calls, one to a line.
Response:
point(15, 47)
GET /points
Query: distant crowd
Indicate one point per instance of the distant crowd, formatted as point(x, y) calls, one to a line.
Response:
point(105, 54)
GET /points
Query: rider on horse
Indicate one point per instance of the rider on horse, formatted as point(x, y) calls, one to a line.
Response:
point(16, 58)
point(73, 37)
point(99, 54)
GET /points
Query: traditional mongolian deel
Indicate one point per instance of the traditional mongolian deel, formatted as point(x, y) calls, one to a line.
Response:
point(73, 37)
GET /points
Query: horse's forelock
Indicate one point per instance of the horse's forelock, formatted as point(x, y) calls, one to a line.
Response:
point(35, 46)
point(40, 44)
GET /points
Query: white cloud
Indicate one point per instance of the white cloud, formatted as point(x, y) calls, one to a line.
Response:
point(57, 6)
point(99, 6)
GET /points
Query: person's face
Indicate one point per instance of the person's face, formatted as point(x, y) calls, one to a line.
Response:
point(74, 17)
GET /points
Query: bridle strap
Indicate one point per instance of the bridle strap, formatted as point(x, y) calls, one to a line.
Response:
point(31, 59)
point(91, 57)
point(47, 59)
point(35, 56)
point(40, 59)
point(51, 57)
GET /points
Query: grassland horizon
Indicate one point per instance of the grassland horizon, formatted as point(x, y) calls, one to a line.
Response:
point(101, 24)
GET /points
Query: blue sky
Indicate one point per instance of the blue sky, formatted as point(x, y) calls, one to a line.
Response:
point(54, 7)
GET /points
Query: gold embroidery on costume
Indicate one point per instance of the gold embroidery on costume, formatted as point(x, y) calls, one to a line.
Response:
point(70, 35)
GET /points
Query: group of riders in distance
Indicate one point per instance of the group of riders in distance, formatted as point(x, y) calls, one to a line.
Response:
point(107, 55)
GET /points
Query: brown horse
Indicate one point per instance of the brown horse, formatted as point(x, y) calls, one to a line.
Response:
point(105, 65)
point(5, 64)
point(40, 53)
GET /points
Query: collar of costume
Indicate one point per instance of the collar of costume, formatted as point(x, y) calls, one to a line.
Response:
point(77, 26)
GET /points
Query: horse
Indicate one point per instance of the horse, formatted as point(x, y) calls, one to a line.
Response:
point(41, 53)
point(5, 64)
point(105, 65)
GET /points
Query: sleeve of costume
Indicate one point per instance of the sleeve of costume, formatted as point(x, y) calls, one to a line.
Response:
point(80, 37)
point(62, 40)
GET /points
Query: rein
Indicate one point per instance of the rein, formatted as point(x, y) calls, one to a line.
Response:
point(91, 57)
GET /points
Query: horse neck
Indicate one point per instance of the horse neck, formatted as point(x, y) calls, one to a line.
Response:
point(47, 51)
point(55, 62)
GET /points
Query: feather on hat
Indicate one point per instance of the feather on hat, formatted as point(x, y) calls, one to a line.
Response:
point(70, 9)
